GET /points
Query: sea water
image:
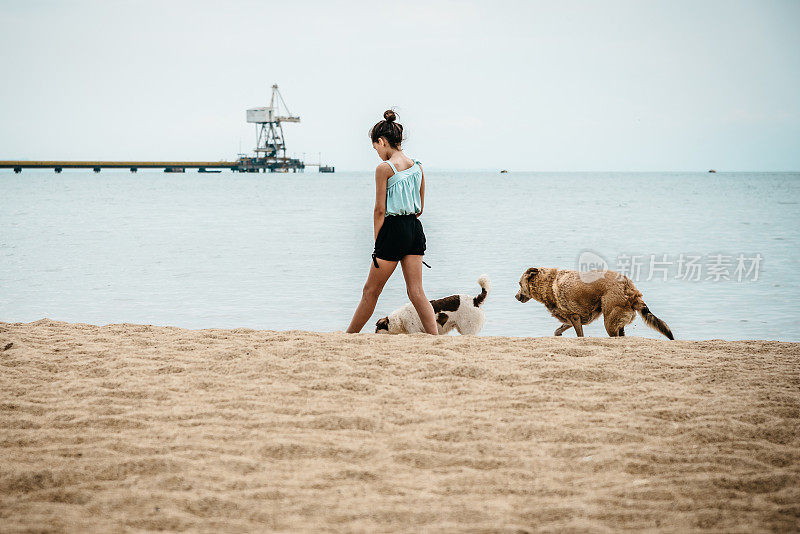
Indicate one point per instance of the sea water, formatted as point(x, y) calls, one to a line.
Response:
point(715, 255)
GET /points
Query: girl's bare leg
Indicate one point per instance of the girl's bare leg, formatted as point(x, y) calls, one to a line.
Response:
point(369, 296)
point(412, 272)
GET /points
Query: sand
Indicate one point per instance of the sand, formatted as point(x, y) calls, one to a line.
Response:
point(129, 427)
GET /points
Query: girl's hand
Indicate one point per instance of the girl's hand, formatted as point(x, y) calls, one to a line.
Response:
point(421, 193)
point(382, 173)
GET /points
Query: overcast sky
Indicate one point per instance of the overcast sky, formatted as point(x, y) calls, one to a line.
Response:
point(550, 86)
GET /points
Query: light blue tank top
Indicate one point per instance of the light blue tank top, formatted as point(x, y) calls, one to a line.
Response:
point(402, 190)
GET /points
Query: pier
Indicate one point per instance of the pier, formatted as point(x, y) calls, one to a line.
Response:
point(270, 151)
point(243, 164)
point(97, 166)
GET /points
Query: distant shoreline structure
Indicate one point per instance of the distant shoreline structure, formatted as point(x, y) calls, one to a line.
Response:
point(270, 151)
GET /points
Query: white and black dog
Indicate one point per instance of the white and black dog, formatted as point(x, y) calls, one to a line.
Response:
point(461, 312)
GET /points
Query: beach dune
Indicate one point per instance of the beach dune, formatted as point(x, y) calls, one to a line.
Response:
point(129, 427)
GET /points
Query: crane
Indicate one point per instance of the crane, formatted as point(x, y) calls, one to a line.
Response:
point(270, 142)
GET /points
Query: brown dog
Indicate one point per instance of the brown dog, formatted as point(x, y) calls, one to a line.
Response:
point(578, 298)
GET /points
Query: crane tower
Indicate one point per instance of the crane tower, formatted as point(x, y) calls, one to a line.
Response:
point(270, 145)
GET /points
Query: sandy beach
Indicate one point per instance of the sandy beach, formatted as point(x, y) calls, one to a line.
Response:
point(129, 427)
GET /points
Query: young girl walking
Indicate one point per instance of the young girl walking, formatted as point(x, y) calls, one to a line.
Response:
point(399, 199)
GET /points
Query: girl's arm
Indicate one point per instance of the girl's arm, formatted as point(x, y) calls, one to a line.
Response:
point(381, 176)
point(421, 192)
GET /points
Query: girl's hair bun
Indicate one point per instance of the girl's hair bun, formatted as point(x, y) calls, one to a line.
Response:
point(388, 129)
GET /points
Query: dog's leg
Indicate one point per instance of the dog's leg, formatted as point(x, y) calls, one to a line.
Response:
point(621, 332)
point(561, 329)
point(613, 321)
point(470, 329)
point(576, 324)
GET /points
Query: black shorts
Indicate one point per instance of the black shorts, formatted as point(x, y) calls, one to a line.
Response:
point(399, 236)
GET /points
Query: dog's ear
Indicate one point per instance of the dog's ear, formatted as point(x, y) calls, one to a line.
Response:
point(529, 276)
point(532, 271)
point(382, 324)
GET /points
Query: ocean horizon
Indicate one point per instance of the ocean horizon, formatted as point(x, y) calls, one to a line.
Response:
point(284, 251)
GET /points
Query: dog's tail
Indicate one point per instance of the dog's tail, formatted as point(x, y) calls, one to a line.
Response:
point(651, 320)
point(486, 286)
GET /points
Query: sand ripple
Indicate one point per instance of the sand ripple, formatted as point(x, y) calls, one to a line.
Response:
point(131, 427)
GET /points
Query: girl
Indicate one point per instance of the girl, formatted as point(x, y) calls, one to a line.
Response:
point(399, 199)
